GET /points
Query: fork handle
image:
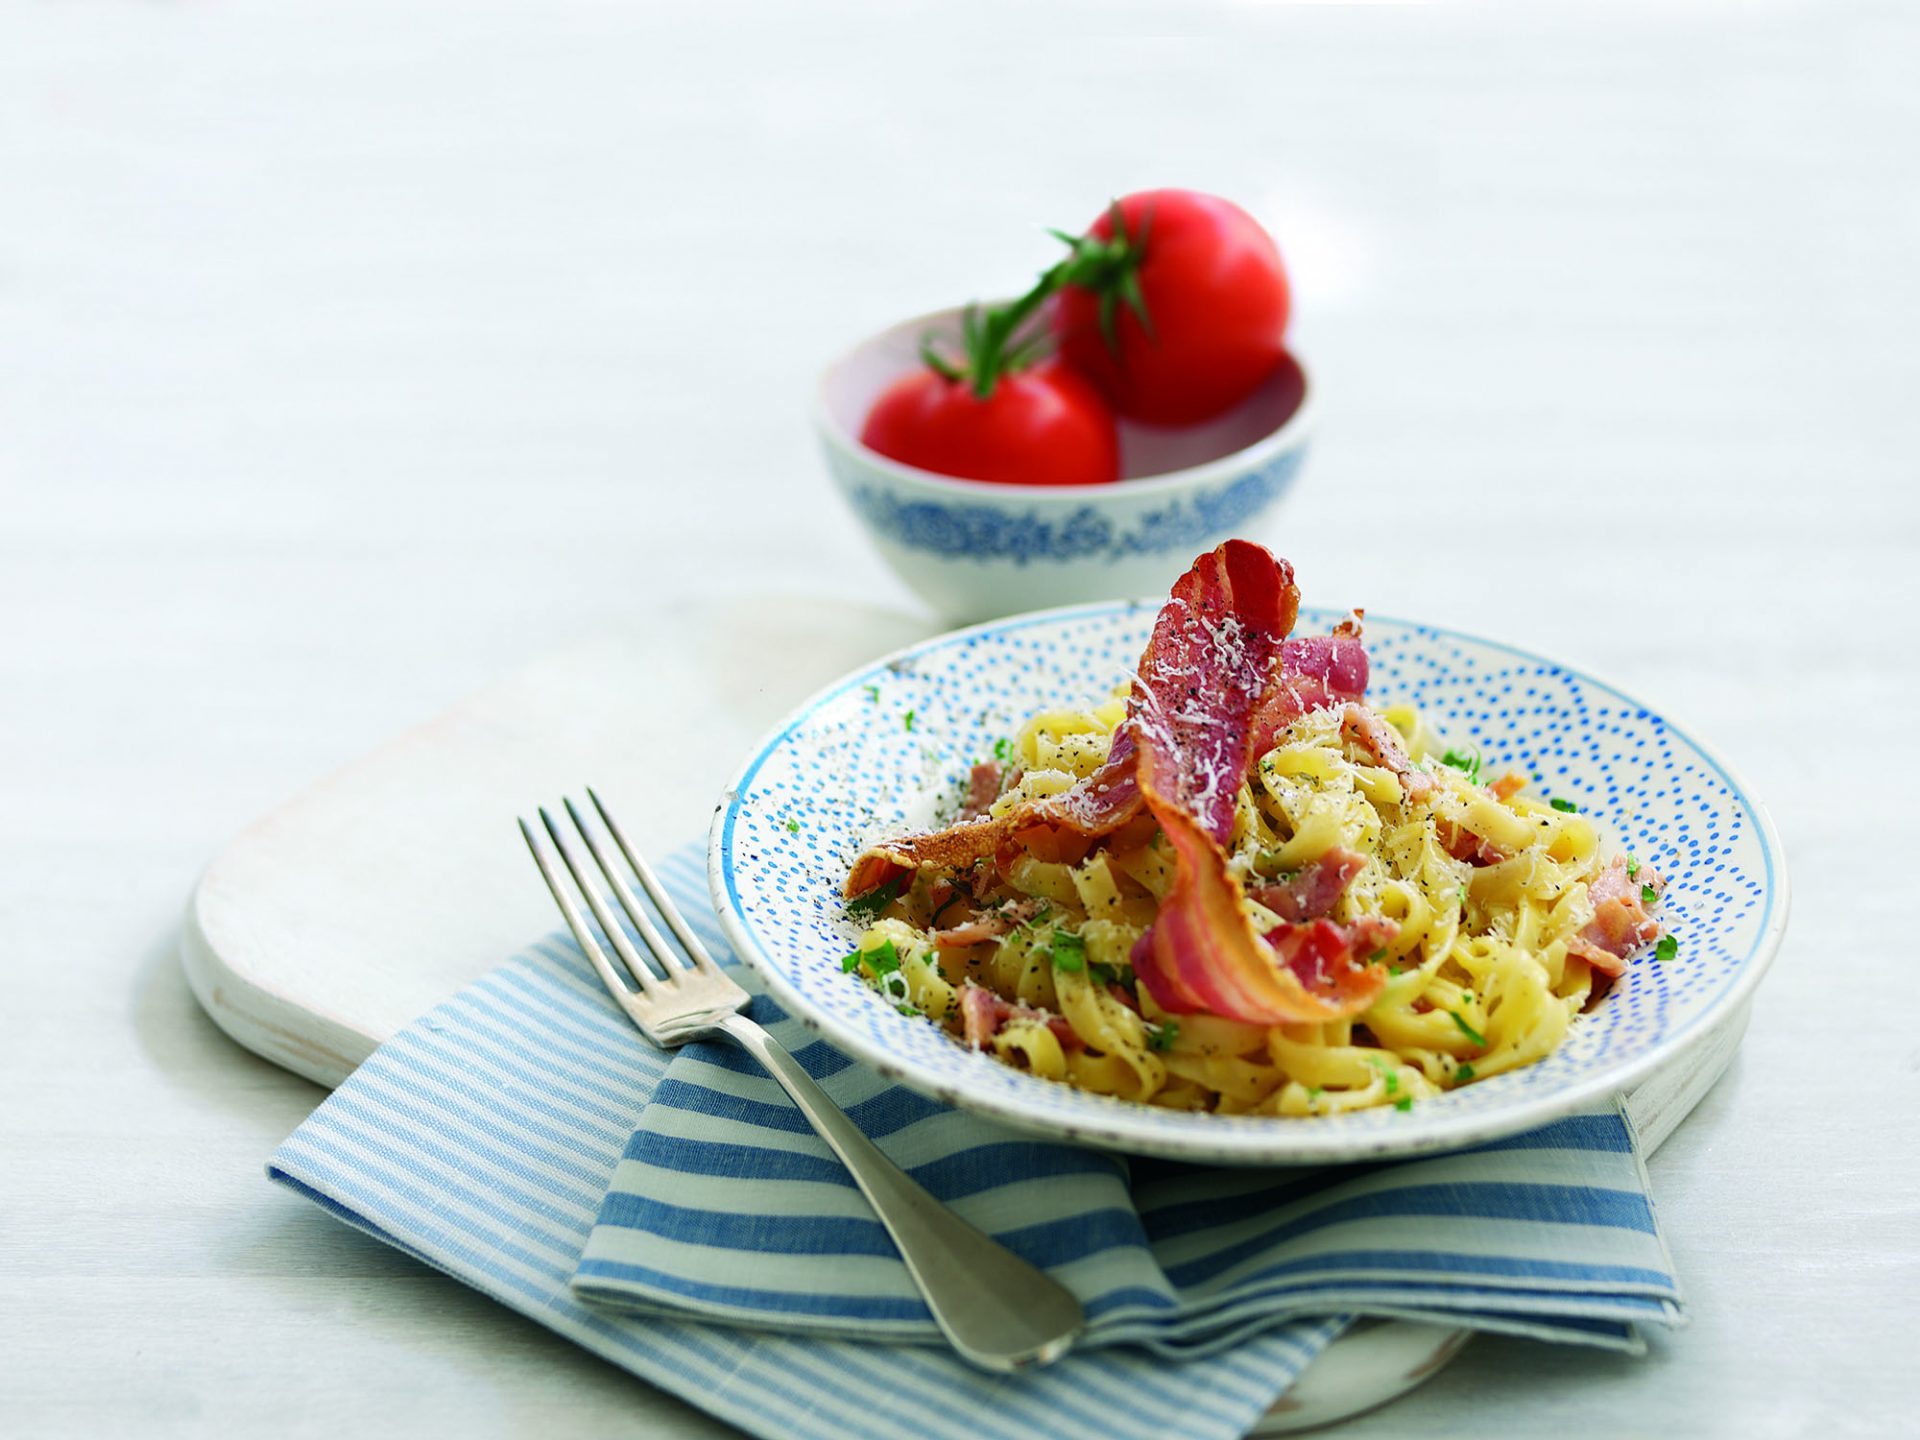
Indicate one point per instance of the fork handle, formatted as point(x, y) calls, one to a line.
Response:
point(998, 1311)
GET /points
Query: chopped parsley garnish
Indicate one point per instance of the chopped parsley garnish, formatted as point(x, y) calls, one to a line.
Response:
point(1460, 760)
point(1404, 1104)
point(850, 962)
point(905, 1009)
point(1463, 892)
point(1667, 948)
point(883, 959)
point(933, 920)
point(1003, 749)
point(869, 905)
point(1377, 955)
point(1564, 806)
point(907, 719)
point(1163, 1037)
point(1045, 910)
point(1649, 895)
point(1463, 1072)
point(1467, 1030)
point(1316, 1092)
point(873, 691)
point(1387, 1074)
point(1069, 950)
point(1633, 866)
point(1394, 970)
point(793, 827)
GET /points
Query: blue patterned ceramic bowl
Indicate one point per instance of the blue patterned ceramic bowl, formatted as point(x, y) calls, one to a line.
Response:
point(871, 756)
point(974, 550)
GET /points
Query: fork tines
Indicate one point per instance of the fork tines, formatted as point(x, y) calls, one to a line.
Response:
point(671, 963)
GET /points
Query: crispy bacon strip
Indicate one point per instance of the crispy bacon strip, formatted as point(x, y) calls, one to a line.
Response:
point(1620, 924)
point(1202, 954)
point(1311, 891)
point(1207, 669)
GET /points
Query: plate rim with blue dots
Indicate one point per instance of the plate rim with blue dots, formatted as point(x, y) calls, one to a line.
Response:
point(886, 748)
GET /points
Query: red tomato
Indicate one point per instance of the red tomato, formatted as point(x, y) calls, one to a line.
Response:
point(1216, 299)
point(1044, 426)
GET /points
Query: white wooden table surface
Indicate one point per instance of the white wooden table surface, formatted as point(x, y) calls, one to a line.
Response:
point(353, 353)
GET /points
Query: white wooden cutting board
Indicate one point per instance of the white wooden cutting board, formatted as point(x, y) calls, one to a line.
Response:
point(329, 924)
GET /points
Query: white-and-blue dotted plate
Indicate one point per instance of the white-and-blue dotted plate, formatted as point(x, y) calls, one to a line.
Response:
point(887, 749)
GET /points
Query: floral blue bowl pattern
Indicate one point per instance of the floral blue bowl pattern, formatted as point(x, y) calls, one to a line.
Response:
point(977, 529)
point(884, 748)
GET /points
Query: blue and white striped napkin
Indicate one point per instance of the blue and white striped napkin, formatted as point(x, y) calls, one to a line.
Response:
point(676, 1216)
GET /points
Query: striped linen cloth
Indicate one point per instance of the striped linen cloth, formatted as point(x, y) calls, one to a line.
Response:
point(717, 1249)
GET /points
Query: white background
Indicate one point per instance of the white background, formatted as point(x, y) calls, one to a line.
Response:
point(353, 353)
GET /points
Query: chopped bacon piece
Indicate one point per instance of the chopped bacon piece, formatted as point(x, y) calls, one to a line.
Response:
point(984, 786)
point(1508, 786)
point(1324, 955)
point(1462, 844)
point(877, 865)
point(1064, 1032)
point(983, 1014)
point(1367, 729)
point(986, 927)
point(1311, 891)
point(1316, 671)
point(1620, 924)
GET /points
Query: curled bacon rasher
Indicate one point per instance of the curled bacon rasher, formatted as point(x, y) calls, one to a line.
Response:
point(1214, 665)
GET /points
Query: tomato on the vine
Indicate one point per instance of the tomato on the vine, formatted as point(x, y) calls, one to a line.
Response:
point(1038, 426)
point(1186, 316)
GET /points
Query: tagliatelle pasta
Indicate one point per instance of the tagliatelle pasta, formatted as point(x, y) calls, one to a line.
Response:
point(1407, 928)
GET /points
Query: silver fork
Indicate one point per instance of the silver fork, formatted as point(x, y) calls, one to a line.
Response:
point(998, 1311)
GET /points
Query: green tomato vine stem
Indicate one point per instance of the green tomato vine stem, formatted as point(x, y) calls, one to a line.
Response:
point(991, 337)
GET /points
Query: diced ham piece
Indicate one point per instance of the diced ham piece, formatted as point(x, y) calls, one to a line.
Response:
point(1508, 786)
point(1621, 924)
point(1369, 730)
point(1313, 890)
